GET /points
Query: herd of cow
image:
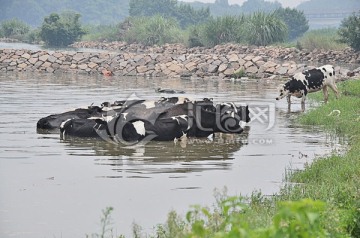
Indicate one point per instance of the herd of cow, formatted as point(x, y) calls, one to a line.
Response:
point(171, 118)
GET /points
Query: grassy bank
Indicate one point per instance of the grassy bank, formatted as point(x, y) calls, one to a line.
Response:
point(336, 179)
point(325, 39)
point(321, 201)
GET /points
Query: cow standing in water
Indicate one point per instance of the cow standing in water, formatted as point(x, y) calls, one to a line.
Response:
point(309, 81)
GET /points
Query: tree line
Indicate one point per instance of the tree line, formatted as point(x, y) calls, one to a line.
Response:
point(167, 21)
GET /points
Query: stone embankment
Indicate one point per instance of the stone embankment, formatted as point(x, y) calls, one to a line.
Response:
point(223, 61)
point(346, 56)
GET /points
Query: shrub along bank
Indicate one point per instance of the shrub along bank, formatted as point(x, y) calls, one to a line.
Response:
point(322, 201)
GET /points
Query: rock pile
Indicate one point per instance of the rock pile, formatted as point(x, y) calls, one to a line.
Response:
point(277, 53)
point(170, 60)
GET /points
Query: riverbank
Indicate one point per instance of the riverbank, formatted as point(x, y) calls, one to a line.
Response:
point(320, 201)
point(223, 61)
point(277, 53)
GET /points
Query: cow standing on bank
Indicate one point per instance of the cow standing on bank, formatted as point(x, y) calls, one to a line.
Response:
point(309, 81)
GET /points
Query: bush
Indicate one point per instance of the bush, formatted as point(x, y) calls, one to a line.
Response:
point(326, 39)
point(33, 36)
point(295, 20)
point(185, 14)
point(61, 30)
point(349, 31)
point(194, 39)
point(221, 30)
point(155, 30)
point(231, 219)
point(257, 29)
point(14, 28)
point(265, 29)
point(101, 33)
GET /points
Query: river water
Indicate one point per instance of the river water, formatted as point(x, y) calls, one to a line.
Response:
point(54, 188)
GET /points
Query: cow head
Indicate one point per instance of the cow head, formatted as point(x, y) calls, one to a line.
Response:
point(54, 121)
point(283, 91)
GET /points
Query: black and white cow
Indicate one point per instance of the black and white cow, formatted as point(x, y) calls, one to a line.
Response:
point(118, 129)
point(192, 119)
point(53, 122)
point(309, 81)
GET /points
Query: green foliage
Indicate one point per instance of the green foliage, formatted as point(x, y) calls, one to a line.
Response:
point(155, 30)
point(106, 225)
point(258, 29)
point(61, 30)
point(92, 11)
point(183, 13)
point(221, 30)
point(187, 16)
point(14, 28)
point(298, 219)
point(348, 104)
point(33, 36)
point(295, 20)
point(230, 219)
point(326, 39)
point(350, 31)
point(265, 29)
point(194, 38)
point(174, 227)
point(101, 33)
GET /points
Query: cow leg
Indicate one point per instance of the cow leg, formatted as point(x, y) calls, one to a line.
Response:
point(288, 97)
point(326, 94)
point(303, 101)
point(335, 89)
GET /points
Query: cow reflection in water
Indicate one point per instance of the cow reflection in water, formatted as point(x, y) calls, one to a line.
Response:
point(140, 157)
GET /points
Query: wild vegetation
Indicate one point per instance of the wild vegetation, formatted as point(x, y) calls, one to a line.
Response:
point(194, 25)
point(326, 39)
point(92, 11)
point(61, 30)
point(350, 31)
point(14, 28)
point(295, 20)
point(184, 14)
point(155, 30)
point(166, 21)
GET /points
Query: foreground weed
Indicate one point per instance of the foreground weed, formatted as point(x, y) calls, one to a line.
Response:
point(106, 223)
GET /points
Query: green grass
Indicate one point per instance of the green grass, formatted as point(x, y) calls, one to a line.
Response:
point(336, 179)
point(326, 39)
point(101, 32)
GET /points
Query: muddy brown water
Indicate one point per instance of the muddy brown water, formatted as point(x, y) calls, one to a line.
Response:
point(54, 188)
